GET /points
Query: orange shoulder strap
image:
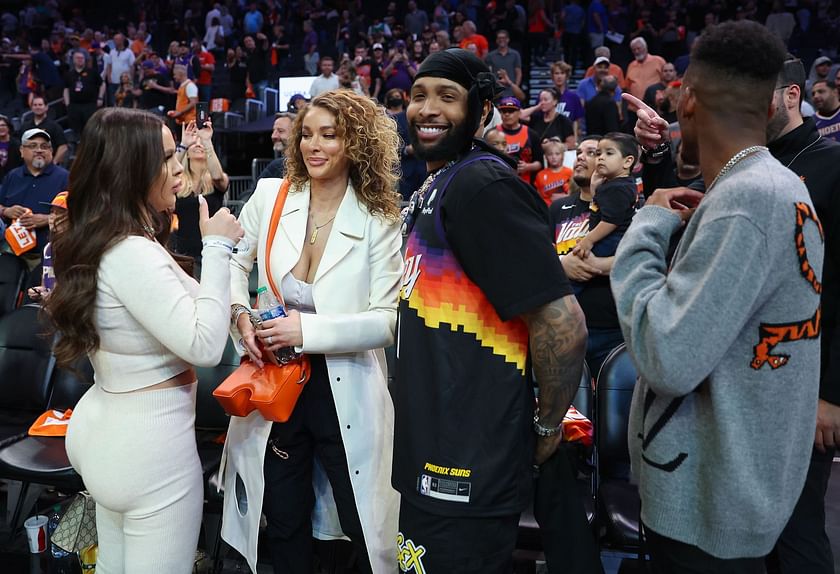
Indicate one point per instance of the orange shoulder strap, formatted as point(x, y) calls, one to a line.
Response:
point(272, 230)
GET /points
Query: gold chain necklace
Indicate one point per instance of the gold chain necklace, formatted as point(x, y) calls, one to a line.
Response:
point(314, 235)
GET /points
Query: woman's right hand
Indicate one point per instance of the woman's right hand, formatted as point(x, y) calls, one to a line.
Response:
point(249, 339)
point(222, 223)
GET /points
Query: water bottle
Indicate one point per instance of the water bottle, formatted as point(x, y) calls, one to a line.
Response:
point(52, 524)
point(268, 307)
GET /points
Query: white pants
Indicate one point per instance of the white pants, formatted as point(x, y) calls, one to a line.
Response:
point(137, 456)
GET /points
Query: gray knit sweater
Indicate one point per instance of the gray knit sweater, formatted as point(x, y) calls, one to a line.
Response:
point(726, 343)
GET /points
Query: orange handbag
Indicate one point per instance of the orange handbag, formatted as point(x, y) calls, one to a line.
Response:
point(273, 390)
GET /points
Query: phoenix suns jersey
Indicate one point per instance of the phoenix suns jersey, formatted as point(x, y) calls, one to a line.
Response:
point(480, 255)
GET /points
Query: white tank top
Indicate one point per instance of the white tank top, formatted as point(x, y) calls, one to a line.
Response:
point(297, 294)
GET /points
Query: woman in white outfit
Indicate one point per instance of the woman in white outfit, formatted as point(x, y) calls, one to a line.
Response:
point(124, 300)
point(336, 257)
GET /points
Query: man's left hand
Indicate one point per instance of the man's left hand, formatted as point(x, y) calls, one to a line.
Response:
point(828, 426)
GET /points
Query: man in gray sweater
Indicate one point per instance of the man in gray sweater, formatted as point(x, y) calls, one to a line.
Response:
point(726, 339)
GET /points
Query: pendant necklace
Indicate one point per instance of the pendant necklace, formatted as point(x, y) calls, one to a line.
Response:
point(314, 235)
point(409, 213)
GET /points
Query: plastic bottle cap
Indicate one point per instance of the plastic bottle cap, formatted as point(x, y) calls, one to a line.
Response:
point(262, 290)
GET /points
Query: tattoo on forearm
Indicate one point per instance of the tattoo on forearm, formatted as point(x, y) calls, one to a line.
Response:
point(557, 334)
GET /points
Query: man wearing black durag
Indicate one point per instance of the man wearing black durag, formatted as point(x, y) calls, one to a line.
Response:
point(484, 303)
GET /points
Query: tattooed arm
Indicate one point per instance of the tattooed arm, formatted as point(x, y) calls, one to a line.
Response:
point(557, 333)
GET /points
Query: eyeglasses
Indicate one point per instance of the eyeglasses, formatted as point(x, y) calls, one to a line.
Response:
point(42, 147)
point(786, 86)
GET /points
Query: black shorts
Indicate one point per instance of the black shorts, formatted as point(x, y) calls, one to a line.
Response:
point(431, 544)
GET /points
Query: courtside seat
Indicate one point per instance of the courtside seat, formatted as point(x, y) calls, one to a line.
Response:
point(12, 278)
point(24, 365)
point(211, 423)
point(210, 418)
point(618, 499)
point(40, 459)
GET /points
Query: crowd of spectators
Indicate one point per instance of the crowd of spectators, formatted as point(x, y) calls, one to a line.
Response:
point(236, 48)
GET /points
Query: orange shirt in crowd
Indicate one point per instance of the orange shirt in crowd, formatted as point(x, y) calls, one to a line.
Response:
point(137, 46)
point(205, 77)
point(186, 91)
point(480, 43)
point(641, 75)
point(549, 182)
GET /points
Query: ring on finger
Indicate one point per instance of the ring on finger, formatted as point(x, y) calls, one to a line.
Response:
point(268, 339)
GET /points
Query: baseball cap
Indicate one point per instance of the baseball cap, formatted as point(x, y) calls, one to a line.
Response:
point(59, 200)
point(822, 60)
point(509, 103)
point(377, 46)
point(34, 133)
point(400, 44)
point(601, 60)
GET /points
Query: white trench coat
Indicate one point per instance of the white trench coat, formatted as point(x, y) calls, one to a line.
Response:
point(355, 292)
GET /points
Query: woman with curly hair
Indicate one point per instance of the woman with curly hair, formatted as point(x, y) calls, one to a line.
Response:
point(124, 301)
point(336, 257)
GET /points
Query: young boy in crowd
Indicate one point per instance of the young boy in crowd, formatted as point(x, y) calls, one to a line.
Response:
point(58, 214)
point(613, 205)
point(553, 181)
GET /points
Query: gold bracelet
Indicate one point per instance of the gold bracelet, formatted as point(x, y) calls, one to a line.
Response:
point(236, 311)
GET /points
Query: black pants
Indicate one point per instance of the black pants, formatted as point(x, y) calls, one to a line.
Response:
point(289, 497)
point(668, 556)
point(804, 545)
point(567, 538)
point(433, 544)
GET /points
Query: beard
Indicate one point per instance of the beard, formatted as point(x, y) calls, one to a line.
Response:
point(582, 180)
point(777, 123)
point(279, 147)
point(456, 140)
point(39, 163)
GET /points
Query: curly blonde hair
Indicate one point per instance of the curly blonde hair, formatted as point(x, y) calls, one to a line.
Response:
point(371, 143)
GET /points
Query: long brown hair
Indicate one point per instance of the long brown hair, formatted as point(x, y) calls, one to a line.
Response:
point(119, 160)
point(371, 143)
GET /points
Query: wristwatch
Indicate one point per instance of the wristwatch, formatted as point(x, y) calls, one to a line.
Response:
point(545, 431)
point(658, 152)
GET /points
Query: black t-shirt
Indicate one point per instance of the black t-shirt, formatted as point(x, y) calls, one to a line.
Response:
point(601, 114)
point(83, 87)
point(479, 256)
point(560, 126)
point(57, 138)
point(152, 98)
point(257, 63)
point(187, 239)
point(615, 202)
point(570, 217)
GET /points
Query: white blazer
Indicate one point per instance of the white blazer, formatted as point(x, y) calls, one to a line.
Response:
point(355, 291)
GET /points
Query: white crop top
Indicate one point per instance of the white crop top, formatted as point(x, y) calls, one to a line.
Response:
point(155, 321)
